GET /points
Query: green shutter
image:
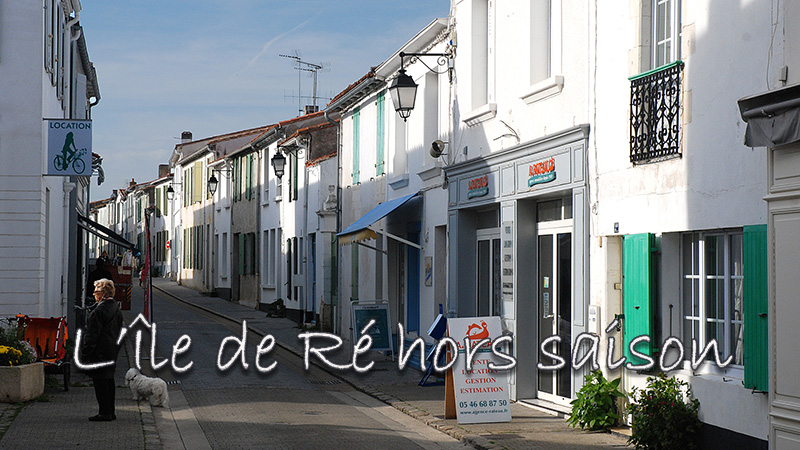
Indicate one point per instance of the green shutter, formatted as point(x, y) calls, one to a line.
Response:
point(756, 366)
point(354, 273)
point(356, 139)
point(158, 202)
point(638, 292)
point(197, 188)
point(379, 166)
point(241, 253)
point(247, 176)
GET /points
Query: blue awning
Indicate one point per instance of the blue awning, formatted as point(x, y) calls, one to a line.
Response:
point(359, 230)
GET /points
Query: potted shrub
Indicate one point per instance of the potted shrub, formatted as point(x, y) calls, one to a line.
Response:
point(664, 415)
point(594, 406)
point(21, 378)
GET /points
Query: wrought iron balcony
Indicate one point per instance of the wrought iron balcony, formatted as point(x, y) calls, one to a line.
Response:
point(656, 114)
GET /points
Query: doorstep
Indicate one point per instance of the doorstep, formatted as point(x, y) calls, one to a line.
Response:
point(555, 409)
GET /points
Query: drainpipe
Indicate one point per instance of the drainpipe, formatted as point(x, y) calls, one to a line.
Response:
point(338, 311)
point(68, 187)
point(306, 229)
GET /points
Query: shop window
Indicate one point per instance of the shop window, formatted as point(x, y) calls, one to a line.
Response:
point(551, 210)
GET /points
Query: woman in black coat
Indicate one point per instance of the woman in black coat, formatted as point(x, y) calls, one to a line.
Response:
point(103, 327)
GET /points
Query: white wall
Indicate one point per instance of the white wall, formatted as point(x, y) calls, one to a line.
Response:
point(716, 183)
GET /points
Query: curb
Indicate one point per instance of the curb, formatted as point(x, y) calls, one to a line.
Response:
point(151, 438)
point(478, 442)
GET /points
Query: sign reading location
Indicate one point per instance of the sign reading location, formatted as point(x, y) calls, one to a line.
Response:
point(69, 147)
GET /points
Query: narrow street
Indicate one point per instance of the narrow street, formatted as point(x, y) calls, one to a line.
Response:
point(287, 408)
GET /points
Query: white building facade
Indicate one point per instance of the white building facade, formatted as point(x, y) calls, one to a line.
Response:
point(43, 254)
point(677, 219)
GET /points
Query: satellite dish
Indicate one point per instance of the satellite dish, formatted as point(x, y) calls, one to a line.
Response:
point(437, 148)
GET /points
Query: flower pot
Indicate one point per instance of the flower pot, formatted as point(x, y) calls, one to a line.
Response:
point(21, 383)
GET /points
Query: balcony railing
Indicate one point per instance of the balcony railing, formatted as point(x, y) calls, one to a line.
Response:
point(655, 114)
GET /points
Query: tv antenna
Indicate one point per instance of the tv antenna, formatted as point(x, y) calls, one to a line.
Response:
point(304, 66)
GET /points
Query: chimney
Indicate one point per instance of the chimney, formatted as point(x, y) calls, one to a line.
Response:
point(163, 170)
point(132, 183)
point(186, 136)
point(311, 109)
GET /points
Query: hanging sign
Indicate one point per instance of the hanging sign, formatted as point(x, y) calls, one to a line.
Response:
point(481, 394)
point(69, 147)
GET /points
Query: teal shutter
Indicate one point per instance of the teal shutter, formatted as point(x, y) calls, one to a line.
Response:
point(241, 253)
point(356, 139)
point(638, 292)
point(379, 166)
point(354, 272)
point(756, 366)
point(247, 177)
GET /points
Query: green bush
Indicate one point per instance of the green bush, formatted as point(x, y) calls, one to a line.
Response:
point(664, 417)
point(594, 405)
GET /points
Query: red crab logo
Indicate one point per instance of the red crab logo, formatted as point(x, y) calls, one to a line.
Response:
point(477, 332)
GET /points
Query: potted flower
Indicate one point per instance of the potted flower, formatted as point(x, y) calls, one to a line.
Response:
point(21, 378)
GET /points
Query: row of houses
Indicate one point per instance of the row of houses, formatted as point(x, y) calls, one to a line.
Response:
point(566, 165)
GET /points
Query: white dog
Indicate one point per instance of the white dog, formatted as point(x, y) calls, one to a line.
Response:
point(153, 389)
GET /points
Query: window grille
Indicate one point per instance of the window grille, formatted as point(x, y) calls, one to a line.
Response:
point(655, 114)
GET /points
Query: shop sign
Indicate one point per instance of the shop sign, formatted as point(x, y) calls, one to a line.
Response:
point(69, 147)
point(542, 172)
point(478, 187)
point(481, 393)
point(380, 331)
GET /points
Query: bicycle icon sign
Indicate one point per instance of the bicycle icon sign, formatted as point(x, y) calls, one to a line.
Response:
point(63, 163)
point(69, 147)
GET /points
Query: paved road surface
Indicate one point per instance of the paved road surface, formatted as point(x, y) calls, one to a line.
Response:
point(287, 408)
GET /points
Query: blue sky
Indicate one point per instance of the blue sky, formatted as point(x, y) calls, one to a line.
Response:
point(212, 66)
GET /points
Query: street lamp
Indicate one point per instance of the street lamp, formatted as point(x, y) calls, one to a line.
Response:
point(278, 163)
point(212, 185)
point(403, 88)
point(404, 93)
point(170, 193)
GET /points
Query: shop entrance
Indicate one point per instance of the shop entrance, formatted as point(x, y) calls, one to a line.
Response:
point(554, 258)
point(490, 296)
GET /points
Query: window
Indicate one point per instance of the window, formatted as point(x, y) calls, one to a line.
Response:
point(666, 32)
point(713, 282)
point(482, 67)
point(545, 39)
point(270, 250)
point(224, 256)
